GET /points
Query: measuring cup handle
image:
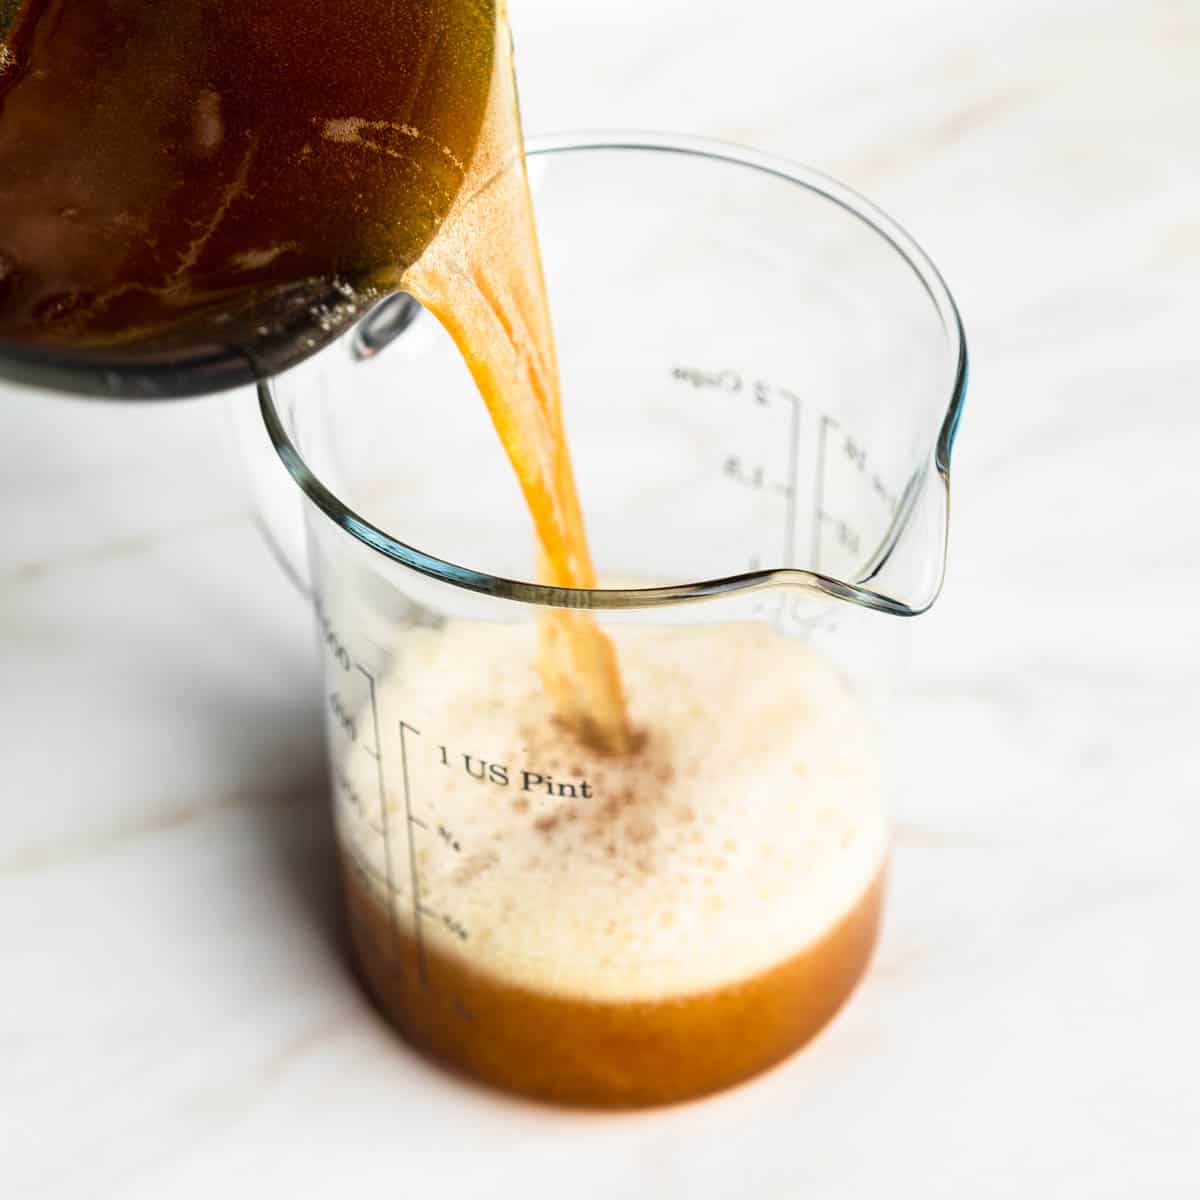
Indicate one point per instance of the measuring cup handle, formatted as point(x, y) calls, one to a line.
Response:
point(278, 508)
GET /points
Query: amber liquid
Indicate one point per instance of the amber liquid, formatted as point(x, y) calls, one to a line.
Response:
point(595, 1053)
point(482, 276)
point(169, 169)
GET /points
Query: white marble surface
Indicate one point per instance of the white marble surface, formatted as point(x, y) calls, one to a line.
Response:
point(176, 1018)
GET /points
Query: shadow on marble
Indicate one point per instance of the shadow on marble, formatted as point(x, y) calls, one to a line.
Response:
point(295, 827)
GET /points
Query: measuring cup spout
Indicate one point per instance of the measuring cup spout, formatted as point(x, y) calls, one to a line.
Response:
point(906, 574)
point(873, 545)
point(912, 568)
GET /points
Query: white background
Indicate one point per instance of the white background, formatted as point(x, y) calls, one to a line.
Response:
point(176, 1017)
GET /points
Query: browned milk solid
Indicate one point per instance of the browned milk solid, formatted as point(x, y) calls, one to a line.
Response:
point(608, 930)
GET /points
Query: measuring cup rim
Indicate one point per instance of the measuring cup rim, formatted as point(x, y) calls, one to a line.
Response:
point(522, 592)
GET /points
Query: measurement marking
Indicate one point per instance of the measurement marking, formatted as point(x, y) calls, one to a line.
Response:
point(412, 855)
point(368, 868)
point(793, 487)
point(417, 820)
point(383, 805)
point(819, 499)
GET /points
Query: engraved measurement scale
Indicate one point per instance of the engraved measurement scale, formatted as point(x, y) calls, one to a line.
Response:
point(808, 471)
point(379, 817)
point(354, 724)
point(357, 726)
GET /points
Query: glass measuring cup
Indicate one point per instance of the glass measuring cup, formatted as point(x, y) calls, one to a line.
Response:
point(763, 377)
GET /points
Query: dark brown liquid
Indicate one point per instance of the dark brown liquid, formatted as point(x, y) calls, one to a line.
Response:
point(170, 167)
point(200, 172)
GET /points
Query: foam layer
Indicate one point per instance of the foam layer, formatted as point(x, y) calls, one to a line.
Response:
point(747, 825)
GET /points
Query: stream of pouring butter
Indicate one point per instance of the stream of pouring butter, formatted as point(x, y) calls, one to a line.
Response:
point(482, 277)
